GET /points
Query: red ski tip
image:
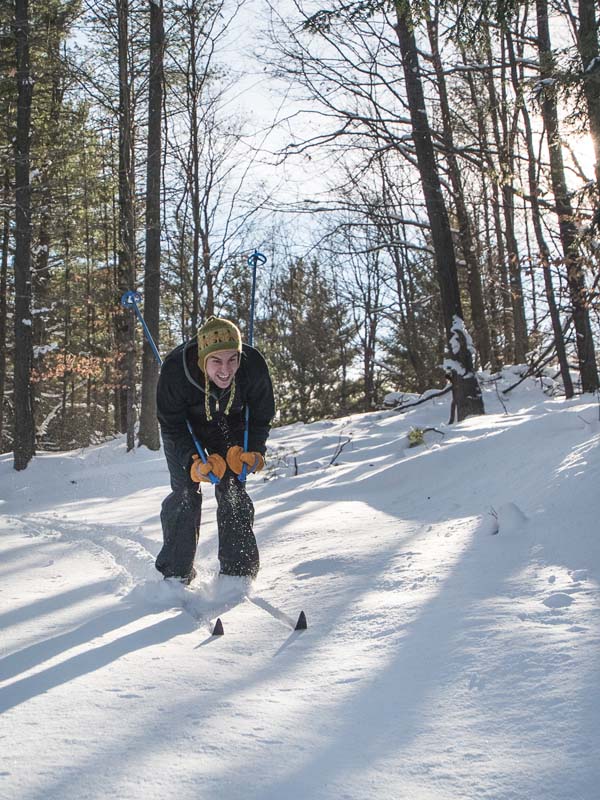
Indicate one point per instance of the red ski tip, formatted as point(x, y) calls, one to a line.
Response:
point(301, 625)
point(218, 629)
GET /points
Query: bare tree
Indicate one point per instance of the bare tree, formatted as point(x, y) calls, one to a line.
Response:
point(498, 279)
point(467, 400)
point(504, 129)
point(465, 227)
point(365, 105)
point(24, 440)
point(148, 431)
point(126, 247)
point(568, 230)
point(4, 247)
point(361, 276)
point(536, 219)
point(388, 279)
point(589, 51)
point(208, 161)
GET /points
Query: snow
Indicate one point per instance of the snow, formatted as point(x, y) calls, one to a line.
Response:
point(452, 365)
point(593, 65)
point(459, 330)
point(452, 598)
point(44, 349)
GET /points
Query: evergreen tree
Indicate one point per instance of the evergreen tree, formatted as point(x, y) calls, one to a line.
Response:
point(304, 337)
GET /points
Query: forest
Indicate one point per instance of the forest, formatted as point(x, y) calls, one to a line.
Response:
point(422, 177)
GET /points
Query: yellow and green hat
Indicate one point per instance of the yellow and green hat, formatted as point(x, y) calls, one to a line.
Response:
point(217, 334)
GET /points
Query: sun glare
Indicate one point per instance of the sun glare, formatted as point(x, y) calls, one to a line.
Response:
point(582, 148)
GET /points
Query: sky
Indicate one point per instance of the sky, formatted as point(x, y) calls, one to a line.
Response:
point(452, 597)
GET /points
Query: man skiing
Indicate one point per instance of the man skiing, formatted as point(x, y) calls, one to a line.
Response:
point(210, 381)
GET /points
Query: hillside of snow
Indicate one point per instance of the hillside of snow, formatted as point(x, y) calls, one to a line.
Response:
point(452, 597)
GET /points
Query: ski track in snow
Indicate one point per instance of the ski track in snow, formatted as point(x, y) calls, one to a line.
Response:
point(123, 548)
point(135, 579)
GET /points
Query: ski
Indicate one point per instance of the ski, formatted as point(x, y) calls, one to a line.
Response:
point(300, 625)
point(203, 606)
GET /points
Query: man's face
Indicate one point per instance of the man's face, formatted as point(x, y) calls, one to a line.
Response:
point(222, 366)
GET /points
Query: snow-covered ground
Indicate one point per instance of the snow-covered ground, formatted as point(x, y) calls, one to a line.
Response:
point(452, 597)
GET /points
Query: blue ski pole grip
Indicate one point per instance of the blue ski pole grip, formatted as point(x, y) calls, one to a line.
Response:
point(242, 476)
point(256, 258)
point(129, 299)
point(213, 478)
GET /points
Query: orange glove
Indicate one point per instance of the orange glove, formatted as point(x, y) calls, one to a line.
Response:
point(199, 470)
point(236, 458)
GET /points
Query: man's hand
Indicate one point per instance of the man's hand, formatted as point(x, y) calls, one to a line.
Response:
point(199, 471)
point(236, 458)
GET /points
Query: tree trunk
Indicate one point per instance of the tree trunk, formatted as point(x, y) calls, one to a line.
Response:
point(46, 180)
point(465, 229)
point(66, 324)
point(148, 432)
point(466, 393)
point(3, 301)
point(568, 231)
point(207, 271)
point(536, 218)
point(589, 52)
point(194, 171)
point(24, 441)
point(89, 300)
point(505, 148)
point(485, 246)
point(125, 322)
point(110, 228)
point(500, 307)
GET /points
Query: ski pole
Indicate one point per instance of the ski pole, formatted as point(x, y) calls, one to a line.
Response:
point(130, 300)
point(253, 261)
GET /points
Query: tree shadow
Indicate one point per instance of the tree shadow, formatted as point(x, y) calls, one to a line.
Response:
point(374, 725)
point(50, 604)
point(93, 659)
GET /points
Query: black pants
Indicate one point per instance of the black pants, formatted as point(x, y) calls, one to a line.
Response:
point(180, 518)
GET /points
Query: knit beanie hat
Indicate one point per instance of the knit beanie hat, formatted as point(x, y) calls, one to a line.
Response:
point(217, 334)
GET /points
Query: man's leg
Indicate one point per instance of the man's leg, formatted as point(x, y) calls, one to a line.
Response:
point(238, 551)
point(180, 519)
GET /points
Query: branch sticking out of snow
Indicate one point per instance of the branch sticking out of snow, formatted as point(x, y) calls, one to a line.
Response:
point(397, 399)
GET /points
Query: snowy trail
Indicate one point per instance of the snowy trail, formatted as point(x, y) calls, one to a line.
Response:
point(452, 594)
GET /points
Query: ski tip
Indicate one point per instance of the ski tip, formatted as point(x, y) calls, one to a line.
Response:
point(301, 625)
point(218, 629)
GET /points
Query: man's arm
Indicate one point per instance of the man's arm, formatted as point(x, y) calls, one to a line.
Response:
point(172, 412)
